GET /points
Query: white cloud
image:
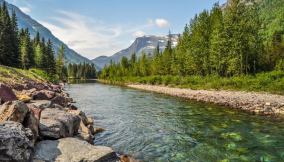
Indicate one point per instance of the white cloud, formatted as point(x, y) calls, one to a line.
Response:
point(162, 23)
point(159, 22)
point(26, 10)
point(84, 35)
point(138, 34)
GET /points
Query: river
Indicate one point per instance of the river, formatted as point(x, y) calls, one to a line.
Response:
point(154, 127)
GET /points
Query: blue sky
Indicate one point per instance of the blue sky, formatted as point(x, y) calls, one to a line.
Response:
point(103, 27)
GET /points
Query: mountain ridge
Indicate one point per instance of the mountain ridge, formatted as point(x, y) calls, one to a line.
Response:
point(145, 44)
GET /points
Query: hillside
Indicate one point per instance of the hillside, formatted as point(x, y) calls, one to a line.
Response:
point(25, 21)
point(145, 44)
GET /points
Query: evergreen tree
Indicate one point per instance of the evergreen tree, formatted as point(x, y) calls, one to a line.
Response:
point(60, 63)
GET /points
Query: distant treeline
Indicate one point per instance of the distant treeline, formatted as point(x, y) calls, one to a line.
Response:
point(234, 40)
point(82, 71)
point(18, 49)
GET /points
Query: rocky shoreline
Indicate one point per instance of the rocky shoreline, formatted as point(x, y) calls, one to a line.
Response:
point(38, 122)
point(257, 103)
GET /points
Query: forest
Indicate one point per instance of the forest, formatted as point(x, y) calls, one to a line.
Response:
point(19, 50)
point(236, 46)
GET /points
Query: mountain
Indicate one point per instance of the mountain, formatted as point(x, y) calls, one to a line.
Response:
point(25, 21)
point(145, 44)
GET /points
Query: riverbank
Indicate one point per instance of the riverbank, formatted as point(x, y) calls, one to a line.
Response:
point(258, 103)
point(39, 122)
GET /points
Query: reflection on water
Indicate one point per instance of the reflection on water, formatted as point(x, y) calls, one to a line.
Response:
point(154, 127)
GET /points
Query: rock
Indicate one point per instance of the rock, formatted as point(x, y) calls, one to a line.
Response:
point(98, 130)
point(60, 100)
point(56, 88)
point(90, 121)
point(73, 150)
point(15, 142)
point(55, 124)
point(41, 104)
point(6, 94)
point(72, 107)
point(126, 158)
point(24, 98)
point(91, 129)
point(13, 111)
point(85, 137)
point(31, 121)
point(39, 95)
point(267, 104)
point(81, 114)
point(36, 111)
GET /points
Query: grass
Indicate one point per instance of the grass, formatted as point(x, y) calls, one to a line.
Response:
point(272, 82)
point(11, 75)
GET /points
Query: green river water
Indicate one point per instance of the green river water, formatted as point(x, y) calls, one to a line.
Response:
point(153, 127)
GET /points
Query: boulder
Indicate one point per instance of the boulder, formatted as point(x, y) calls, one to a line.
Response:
point(60, 100)
point(32, 122)
point(85, 137)
point(39, 95)
point(13, 111)
point(15, 142)
point(49, 94)
point(24, 98)
point(90, 121)
point(6, 94)
point(81, 114)
point(73, 150)
point(41, 104)
point(56, 123)
point(56, 88)
point(36, 111)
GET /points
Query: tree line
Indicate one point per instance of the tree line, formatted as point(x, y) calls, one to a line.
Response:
point(224, 41)
point(18, 49)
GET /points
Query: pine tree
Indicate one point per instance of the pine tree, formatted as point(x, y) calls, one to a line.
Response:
point(6, 37)
point(60, 63)
point(51, 63)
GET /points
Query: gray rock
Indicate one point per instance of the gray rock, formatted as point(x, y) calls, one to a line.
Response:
point(31, 121)
point(56, 123)
point(41, 104)
point(13, 111)
point(60, 100)
point(72, 150)
point(15, 142)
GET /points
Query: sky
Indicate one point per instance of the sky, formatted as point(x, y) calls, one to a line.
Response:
point(104, 27)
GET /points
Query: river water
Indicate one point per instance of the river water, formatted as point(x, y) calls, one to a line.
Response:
point(154, 127)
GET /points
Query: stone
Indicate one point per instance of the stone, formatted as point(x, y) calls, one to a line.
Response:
point(32, 122)
point(90, 121)
point(81, 114)
point(127, 158)
point(91, 129)
point(13, 111)
point(49, 94)
point(6, 94)
point(85, 137)
point(56, 123)
point(24, 98)
point(36, 111)
point(72, 107)
point(15, 142)
point(73, 150)
point(98, 130)
point(41, 104)
point(60, 100)
point(39, 95)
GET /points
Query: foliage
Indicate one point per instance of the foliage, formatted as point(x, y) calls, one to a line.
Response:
point(82, 71)
point(224, 48)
